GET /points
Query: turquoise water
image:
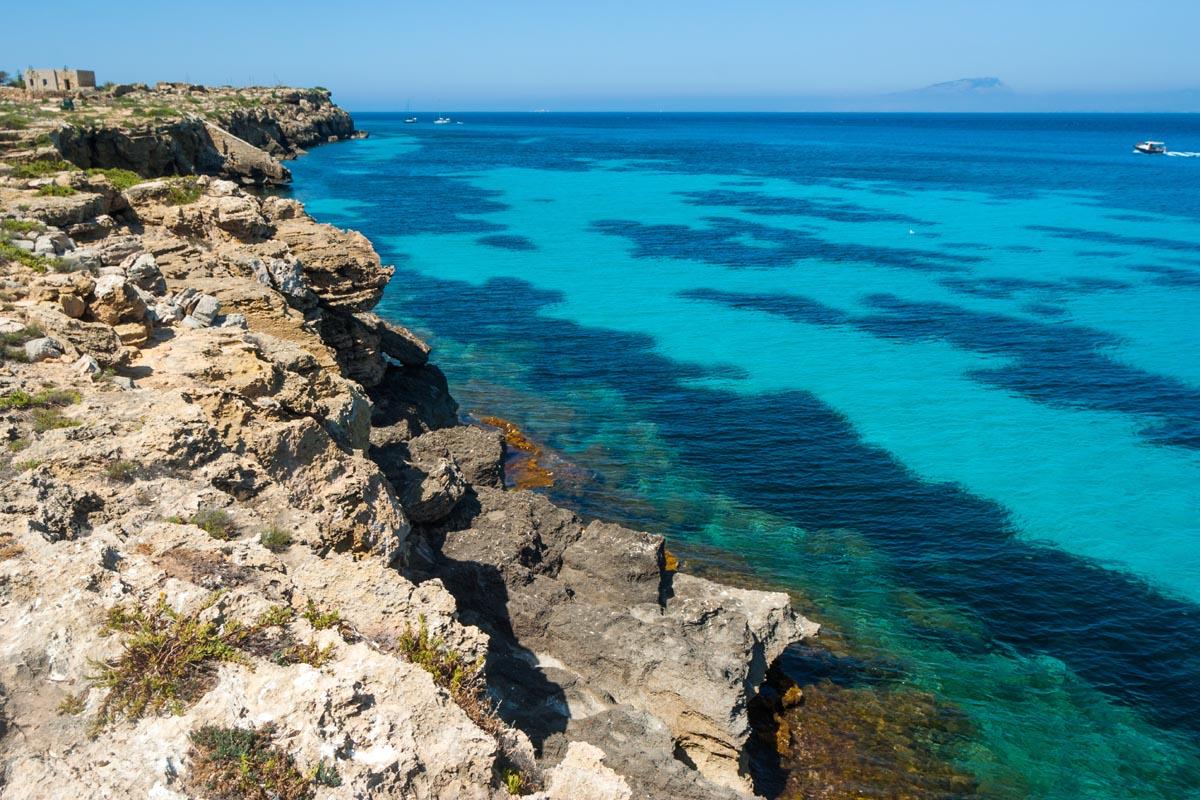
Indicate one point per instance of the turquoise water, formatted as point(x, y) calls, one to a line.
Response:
point(934, 374)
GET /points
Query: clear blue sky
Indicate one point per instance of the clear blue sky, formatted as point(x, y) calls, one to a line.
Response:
point(704, 54)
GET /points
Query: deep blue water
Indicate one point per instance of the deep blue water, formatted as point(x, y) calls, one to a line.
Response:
point(935, 374)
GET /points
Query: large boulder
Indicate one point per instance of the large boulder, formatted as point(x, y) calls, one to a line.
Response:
point(115, 300)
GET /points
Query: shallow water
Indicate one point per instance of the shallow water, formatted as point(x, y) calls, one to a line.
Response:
point(934, 374)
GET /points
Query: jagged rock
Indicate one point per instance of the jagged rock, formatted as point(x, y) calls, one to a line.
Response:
point(600, 602)
point(87, 365)
point(42, 348)
point(134, 334)
point(397, 341)
point(61, 511)
point(232, 321)
point(430, 492)
point(204, 311)
point(114, 300)
point(94, 338)
point(240, 216)
point(142, 270)
point(9, 325)
point(581, 775)
point(479, 453)
point(72, 305)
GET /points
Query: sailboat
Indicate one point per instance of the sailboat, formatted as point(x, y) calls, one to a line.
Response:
point(407, 119)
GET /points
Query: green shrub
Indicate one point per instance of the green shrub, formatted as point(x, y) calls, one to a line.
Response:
point(275, 539)
point(184, 191)
point(321, 620)
point(167, 661)
point(50, 419)
point(243, 764)
point(20, 225)
point(216, 522)
point(54, 190)
point(123, 471)
point(121, 179)
point(10, 252)
point(40, 169)
point(19, 398)
point(14, 122)
point(71, 705)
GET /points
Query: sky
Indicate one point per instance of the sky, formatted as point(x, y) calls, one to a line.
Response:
point(463, 55)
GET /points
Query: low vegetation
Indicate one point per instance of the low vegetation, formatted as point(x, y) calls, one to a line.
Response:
point(121, 179)
point(244, 764)
point(54, 190)
point(216, 522)
point(12, 347)
point(121, 471)
point(275, 539)
point(10, 252)
point(462, 679)
point(167, 662)
point(40, 169)
point(183, 191)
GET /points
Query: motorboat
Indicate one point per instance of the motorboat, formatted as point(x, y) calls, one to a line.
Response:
point(1150, 148)
point(410, 120)
point(442, 121)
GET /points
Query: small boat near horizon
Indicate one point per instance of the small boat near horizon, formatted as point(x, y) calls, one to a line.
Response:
point(1150, 148)
point(442, 121)
point(410, 120)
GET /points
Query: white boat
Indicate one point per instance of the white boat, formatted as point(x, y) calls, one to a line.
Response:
point(442, 121)
point(1150, 148)
point(410, 120)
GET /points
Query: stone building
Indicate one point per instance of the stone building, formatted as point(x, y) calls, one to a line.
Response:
point(59, 80)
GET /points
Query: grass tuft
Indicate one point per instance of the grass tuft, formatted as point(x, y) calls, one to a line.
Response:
point(167, 662)
point(464, 681)
point(121, 471)
point(275, 539)
point(40, 169)
point(216, 522)
point(121, 179)
point(184, 191)
point(54, 190)
point(244, 764)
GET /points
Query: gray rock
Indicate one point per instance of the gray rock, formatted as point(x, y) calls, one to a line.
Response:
point(232, 321)
point(479, 453)
point(86, 365)
point(122, 382)
point(166, 313)
point(44, 246)
point(43, 349)
point(206, 310)
point(9, 325)
point(24, 244)
point(143, 271)
point(61, 510)
point(623, 631)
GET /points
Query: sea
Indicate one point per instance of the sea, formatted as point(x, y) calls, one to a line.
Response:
point(937, 376)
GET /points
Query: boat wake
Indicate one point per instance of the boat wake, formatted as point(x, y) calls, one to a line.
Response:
point(1182, 155)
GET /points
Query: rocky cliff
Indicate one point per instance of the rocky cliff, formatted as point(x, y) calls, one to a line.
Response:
point(185, 129)
point(247, 549)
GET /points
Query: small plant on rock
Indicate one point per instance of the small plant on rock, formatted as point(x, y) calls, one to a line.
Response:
point(184, 191)
point(216, 522)
point(54, 190)
point(122, 471)
point(321, 620)
point(72, 705)
point(167, 662)
point(464, 681)
point(275, 539)
point(243, 764)
point(121, 179)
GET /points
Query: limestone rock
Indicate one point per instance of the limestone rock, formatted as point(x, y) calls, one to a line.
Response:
point(42, 348)
point(114, 300)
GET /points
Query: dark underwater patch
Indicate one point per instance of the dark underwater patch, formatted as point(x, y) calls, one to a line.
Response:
point(1106, 237)
point(506, 241)
point(723, 243)
point(1171, 276)
point(772, 205)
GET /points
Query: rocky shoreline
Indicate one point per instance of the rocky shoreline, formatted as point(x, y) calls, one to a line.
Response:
point(215, 453)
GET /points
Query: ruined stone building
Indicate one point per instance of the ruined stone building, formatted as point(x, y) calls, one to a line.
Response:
point(59, 80)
